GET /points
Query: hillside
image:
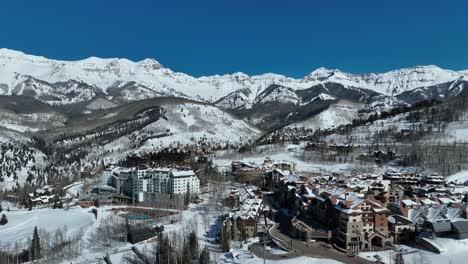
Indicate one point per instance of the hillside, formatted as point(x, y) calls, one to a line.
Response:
point(43, 141)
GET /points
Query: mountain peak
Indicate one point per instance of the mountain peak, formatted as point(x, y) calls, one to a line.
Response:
point(321, 71)
point(323, 74)
point(150, 63)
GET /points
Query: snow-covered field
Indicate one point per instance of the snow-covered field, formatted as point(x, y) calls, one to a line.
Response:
point(456, 131)
point(454, 252)
point(21, 223)
point(243, 256)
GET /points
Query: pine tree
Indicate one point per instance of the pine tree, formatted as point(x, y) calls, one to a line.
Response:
point(35, 248)
point(164, 250)
point(3, 220)
point(224, 241)
point(169, 250)
point(1, 209)
point(187, 197)
point(186, 253)
point(205, 256)
point(193, 243)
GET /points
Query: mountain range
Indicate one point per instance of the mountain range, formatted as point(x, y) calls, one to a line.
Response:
point(120, 80)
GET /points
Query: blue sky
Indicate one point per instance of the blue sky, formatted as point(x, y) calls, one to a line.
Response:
point(204, 37)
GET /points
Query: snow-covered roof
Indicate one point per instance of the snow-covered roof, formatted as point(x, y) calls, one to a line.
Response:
point(162, 169)
point(428, 202)
point(409, 202)
point(249, 208)
point(183, 173)
point(445, 200)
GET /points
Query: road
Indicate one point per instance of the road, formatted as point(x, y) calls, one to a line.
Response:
point(320, 250)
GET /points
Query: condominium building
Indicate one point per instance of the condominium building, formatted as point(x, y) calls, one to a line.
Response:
point(125, 181)
point(138, 183)
point(167, 181)
point(181, 182)
point(363, 224)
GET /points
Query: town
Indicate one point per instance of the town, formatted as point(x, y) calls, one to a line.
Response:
point(276, 209)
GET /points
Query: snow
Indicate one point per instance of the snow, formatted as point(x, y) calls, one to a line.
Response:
point(73, 189)
point(279, 153)
point(338, 114)
point(244, 257)
point(459, 177)
point(281, 94)
point(453, 252)
point(150, 74)
point(456, 131)
point(199, 217)
point(187, 124)
point(323, 96)
point(29, 122)
point(17, 127)
point(100, 103)
point(398, 81)
point(21, 223)
point(183, 173)
point(22, 170)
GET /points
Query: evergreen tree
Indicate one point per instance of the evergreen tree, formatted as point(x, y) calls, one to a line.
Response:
point(1, 209)
point(164, 249)
point(193, 243)
point(3, 220)
point(35, 248)
point(224, 241)
point(187, 253)
point(167, 250)
point(205, 256)
point(187, 196)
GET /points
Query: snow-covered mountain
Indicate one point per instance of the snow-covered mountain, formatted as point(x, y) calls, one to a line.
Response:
point(42, 78)
point(68, 82)
point(389, 83)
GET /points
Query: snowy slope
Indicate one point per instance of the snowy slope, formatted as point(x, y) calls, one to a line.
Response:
point(21, 223)
point(185, 124)
point(398, 81)
point(189, 123)
point(341, 113)
point(459, 177)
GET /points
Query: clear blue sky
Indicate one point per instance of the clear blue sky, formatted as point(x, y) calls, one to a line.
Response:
point(204, 37)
